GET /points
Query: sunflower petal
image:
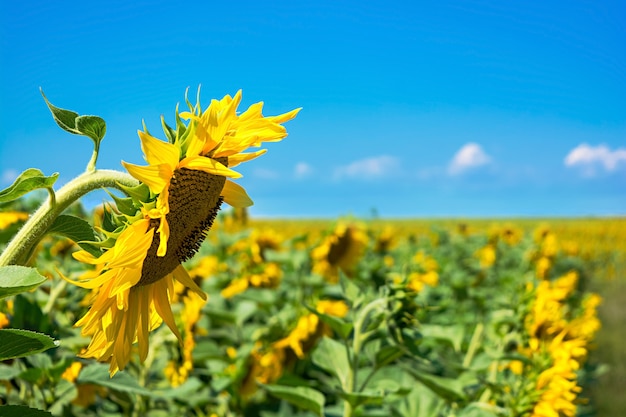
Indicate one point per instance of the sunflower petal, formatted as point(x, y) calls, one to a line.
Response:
point(235, 195)
point(238, 158)
point(209, 165)
point(156, 177)
point(162, 305)
point(158, 152)
point(285, 117)
point(181, 275)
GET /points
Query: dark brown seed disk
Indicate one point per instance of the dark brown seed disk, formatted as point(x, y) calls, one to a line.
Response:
point(194, 200)
point(338, 249)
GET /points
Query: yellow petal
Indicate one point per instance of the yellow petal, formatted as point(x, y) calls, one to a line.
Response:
point(285, 117)
point(235, 195)
point(211, 166)
point(158, 152)
point(143, 330)
point(162, 305)
point(238, 158)
point(132, 245)
point(181, 275)
point(164, 234)
point(156, 177)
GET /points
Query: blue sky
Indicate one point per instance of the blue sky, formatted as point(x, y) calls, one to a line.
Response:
point(441, 108)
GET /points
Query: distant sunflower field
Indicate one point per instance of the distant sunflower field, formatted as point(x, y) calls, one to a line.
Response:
point(406, 318)
point(156, 305)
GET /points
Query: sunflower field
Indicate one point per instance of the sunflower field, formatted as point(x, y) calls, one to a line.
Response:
point(156, 304)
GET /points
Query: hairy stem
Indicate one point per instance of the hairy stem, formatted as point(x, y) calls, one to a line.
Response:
point(38, 224)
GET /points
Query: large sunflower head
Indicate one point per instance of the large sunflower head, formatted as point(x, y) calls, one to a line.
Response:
point(165, 219)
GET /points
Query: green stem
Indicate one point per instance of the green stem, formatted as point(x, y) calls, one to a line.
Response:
point(35, 228)
point(471, 350)
point(351, 381)
point(54, 294)
point(91, 166)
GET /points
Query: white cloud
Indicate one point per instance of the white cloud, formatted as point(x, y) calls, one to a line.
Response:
point(374, 167)
point(588, 157)
point(302, 169)
point(471, 155)
point(8, 176)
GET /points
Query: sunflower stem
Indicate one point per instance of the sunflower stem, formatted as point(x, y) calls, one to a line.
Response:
point(91, 166)
point(38, 224)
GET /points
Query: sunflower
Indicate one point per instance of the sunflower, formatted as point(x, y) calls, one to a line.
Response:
point(341, 250)
point(165, 222)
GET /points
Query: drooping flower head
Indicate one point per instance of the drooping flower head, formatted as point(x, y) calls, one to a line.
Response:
point(164, 221)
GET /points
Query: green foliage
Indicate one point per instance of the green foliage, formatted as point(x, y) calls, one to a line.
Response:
point(302, 397)
point(21, 411)
point(27, 181)
point(16, 279)
point(272, 349)
point(93, 127)
point(15, 343)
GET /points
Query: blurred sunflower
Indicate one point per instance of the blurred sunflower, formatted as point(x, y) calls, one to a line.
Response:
point(165, 222)
point(341, 250)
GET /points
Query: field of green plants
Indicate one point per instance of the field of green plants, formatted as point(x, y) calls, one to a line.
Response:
point(348, 320)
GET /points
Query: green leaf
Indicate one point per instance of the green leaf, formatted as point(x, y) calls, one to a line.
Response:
point(99, 374)
point(66, 119)
point(331, 356)
point(169, 132)
point(452, 334)
point(387, 354)
point(124, 205)
point(341, 327)
point(8, 372)
point(16, 343)
point(477, 409)
point(351, 291)
point(366, 397)
point(447, 388)
point(303, 397)
point(15, 279)
point(29, 180)
point(27, 315)
point(22, 411)
point(73, 228)
point(64, 393)
point(140, 192)
point(93, 127)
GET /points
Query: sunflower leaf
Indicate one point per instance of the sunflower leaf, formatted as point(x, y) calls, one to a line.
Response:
point(139, 193)
point(66, 119)
point(341, 327)
point(29, 180)
point(73, 228)
point(169, 132)
point(302, 397)
point(124, 205)
point(17, 343)
point(15, 279)
point(22, 411)
point(93, 127)
point(332, 356)
point(98, 374)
